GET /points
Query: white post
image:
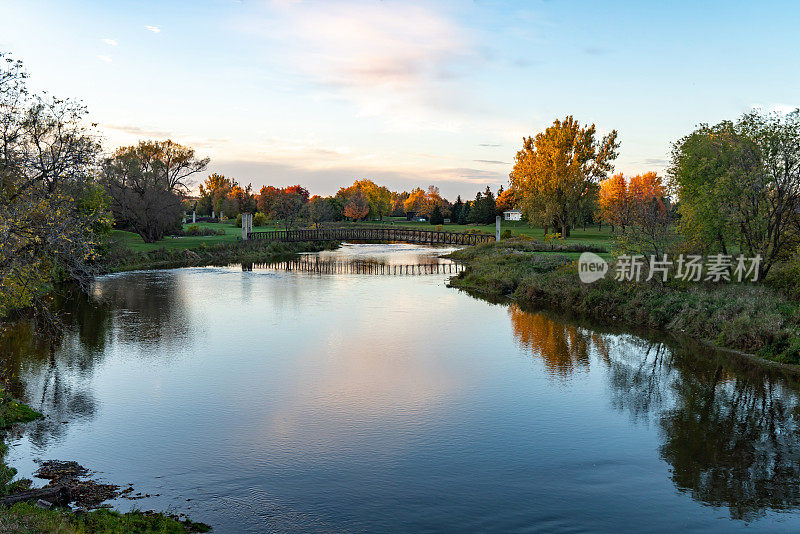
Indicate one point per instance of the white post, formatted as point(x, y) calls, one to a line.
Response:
point(497, 228)
point(212, 214)
point(194, 217)
point(247, 225)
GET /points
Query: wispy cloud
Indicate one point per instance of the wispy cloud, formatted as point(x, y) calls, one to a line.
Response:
point(110, 42)
point(491, 161)
point(396, 61)
point(107, 59)
point(489, 144)
point(154, 29)
point(136, 130)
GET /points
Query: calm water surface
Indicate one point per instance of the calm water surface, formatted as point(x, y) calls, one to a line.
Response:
point(272, 400)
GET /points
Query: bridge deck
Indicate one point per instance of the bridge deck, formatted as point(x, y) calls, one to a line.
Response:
point(406, 235)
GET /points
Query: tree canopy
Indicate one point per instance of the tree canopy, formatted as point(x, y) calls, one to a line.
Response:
point(554, 170)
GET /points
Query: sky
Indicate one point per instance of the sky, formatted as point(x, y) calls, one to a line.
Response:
point(406, 93)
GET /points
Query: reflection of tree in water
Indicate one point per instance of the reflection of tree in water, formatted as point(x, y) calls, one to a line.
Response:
point(729, 429)
point(562, 347)
point(732, 438)
point(149, 306)
point(52, 369)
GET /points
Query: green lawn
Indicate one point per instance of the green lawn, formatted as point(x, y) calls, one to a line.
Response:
point(592, 236)
point(134, 241)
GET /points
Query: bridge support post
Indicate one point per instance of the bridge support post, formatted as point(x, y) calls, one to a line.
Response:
point(497, 228)
point(247, 225)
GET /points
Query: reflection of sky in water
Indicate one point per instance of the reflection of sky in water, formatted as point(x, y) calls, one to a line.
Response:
point(285, 401)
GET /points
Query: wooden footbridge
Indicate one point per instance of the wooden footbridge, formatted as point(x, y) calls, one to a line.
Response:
point(311, 264)
point(381, 235)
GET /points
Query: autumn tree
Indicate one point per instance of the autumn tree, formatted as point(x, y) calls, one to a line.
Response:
point(398, 201)
point(286, 207)
point(553, 170)
point(146, 183)
point(505, 200)
point(415, 201)
point(267, 196)
point(321, 210)
point(613, 203)
point(357, 206)
point(298, 190)
point(212, 192)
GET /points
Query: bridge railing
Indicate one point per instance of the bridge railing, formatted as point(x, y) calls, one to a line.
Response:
point(407, 235)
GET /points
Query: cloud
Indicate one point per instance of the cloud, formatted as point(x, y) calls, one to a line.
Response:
point(107, 59)
point(110, 42)
point(491, 161)
point(137, 131)
point(154, 29)
point(660, 162)
point(399, 61)
point(489, 144)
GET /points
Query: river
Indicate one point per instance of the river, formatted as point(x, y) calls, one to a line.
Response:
point(262, 399)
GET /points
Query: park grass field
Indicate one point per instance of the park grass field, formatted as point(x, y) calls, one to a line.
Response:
point(591, 236)
point(232, 234)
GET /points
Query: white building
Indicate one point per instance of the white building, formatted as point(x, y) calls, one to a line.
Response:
point(512, 215)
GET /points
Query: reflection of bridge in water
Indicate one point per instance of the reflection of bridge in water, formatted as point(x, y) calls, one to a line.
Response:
point(314, 265)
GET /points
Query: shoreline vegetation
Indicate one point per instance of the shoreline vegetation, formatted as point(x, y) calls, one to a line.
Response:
point(26, 517)
point(120, 258)
point(760, 320)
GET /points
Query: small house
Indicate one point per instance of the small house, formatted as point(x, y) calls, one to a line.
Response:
point(512, 215)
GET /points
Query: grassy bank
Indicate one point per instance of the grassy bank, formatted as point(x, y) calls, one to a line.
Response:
point(226, 232)
point(120, 258)
point(24, 517)
point(751, 318)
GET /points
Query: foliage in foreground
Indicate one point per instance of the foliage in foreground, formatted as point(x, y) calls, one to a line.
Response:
point(757, 319)
point(27, 518)
point(52, 211)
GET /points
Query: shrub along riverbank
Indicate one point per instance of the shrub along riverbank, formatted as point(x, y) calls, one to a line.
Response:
point(751, 318)
point(118, 257)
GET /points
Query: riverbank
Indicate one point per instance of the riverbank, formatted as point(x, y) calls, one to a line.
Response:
point(118, 257)
point(26, 517)
point(754, 319)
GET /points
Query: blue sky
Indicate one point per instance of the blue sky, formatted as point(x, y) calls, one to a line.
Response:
point(407, 93)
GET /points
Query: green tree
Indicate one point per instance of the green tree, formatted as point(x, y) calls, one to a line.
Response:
point(738, 184)
point(436, 216)
point(554, 170)
point(52, 212)
point(147, 182)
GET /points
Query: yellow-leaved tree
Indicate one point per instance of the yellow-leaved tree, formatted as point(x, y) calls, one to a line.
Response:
point(554, 171)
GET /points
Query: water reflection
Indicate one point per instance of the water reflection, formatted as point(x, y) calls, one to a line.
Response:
point(562, 347)
point(52, 368)
point(357, 400)
point(729, 429)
